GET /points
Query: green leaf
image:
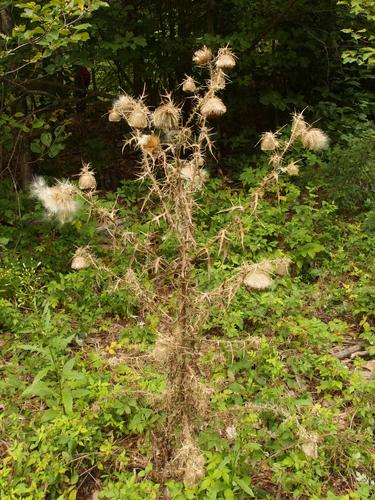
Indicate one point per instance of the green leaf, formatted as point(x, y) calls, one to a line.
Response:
point(67, 399)
point(244, 486)
point(46, 139)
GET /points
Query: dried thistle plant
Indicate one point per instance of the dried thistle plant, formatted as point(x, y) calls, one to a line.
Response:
point(173, 151)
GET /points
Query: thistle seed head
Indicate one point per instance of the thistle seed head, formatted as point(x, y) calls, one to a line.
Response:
point(188, 85)
point(269, 142)
point(58, 200)
point(202, 56)
point(213, 107)
point(150, 143)
point(167, 115)
point(86, 178)
point(315, 139)
point(114, 116)
point(292, 169)
point(82, 259)
point(225, 59)
point(137, 118)
point(299, 126)
point(258, 280)
point(124, 105)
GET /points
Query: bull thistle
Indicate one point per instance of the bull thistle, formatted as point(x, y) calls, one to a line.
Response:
point(173, 152)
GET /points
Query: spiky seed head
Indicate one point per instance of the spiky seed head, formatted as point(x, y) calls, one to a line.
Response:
point(166, 116)
point(213, 107)
point(218, 80)
point(315, 139)
point(258, 280)
point(292, 168)
point(57, 200)
point(114, 116)
point(266, 266)
point(137, 118)
point(281, 266)
point(188, 85)
point(124, 105)
point(87, 178)
point(202, 56)
point(269, 142)
point(194, 176)
point(299, 126)
point(225, 59)
point(150, 143)
point(81, 259)
point(276, 160)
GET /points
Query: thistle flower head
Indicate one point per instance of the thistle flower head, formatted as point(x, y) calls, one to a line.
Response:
point(86, 178)
point(299, 126)
point(137, 118)
point(281, 266)
point(167, 115)
point(124, 105)
point(188, 85)
point(58, 200)
point(292, 168)
point(81, 259)
point(269, 141)
point(275, 160)
point(114, 116)
point(258, 280)
point(315, 139)
point(149, 143)
point(194, 176)
point(225, 59)
point(213, 107)
point(202, 56)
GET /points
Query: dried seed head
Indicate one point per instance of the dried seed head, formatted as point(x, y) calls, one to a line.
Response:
point(166, 116)
point(281, 266)
point(150, 143)
point(266, 266)
point(86, 178)
point(315, 139)
point(114, 116)
point(225, 59)
point(213, 107)
point(269, 142)
point(218, 80)
point(124, 105)
point(257, 280)
point(276, 160)
point(202, 56)
point(58, 200)
point(188, 85)
point(137, 118)
point(292, 168)
point(299, 126)
point(194, 176)
point(82, 258)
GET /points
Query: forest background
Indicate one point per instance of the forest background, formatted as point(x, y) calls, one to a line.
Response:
point(305, 380)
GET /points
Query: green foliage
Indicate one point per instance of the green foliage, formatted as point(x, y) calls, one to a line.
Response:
point(298, 420)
